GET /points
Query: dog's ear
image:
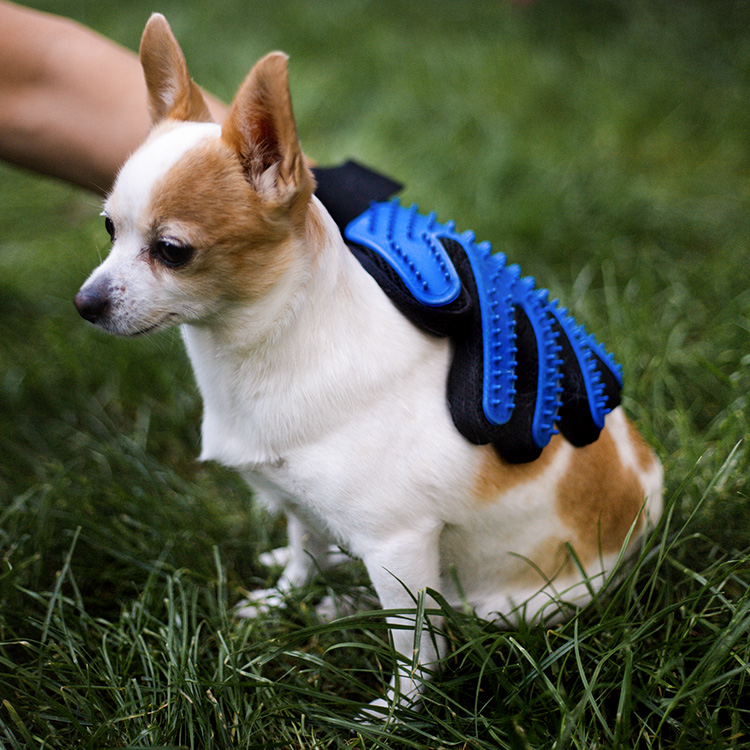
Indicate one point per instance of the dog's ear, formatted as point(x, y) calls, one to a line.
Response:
point(261, 129)
point(171, 92)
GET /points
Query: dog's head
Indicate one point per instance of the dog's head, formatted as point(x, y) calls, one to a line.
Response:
point(202, 216)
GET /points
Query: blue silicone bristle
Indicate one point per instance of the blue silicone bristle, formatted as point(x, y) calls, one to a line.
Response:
point(549, 388)
point(605, 357)
point(580, 343)
point(498, 325)
point(407, 240)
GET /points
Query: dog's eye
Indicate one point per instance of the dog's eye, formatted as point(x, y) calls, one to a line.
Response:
point(171, 253)
point(109, 225)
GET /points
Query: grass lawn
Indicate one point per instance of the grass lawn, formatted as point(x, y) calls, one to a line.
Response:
point(603, 145)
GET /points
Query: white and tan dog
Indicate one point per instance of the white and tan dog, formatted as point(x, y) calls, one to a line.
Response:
point(327, 400)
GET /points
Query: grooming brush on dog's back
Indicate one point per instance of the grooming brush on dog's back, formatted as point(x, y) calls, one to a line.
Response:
point(522, 366)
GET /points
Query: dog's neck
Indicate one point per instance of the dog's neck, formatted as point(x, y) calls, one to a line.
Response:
point(281, 372)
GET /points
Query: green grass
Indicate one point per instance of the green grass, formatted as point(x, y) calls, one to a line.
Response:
point(605, 147)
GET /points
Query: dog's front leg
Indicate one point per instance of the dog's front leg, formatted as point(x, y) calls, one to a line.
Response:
point(400, 567)
point(307, 552)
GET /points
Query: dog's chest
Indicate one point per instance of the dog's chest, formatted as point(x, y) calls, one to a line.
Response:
point(326, 485)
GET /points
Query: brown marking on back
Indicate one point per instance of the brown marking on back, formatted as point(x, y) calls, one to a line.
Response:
point(496, 475)
point(549, 561)
point(599, 498)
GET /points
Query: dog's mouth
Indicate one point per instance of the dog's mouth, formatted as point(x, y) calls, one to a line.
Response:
point(127, 332)
point(168, 320)
point(146, 330)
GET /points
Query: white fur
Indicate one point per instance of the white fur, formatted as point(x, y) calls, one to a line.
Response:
point(333, 407)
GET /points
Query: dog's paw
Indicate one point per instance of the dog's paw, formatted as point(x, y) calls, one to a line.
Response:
point(278, 557)
point(281, 556)
point(377, 712)
point(389, 709)
point(259, 603)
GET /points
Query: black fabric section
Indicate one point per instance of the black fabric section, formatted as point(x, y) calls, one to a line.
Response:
point(447, 320)
point(512, 440)
point(576, 423)
point(347, 190)
point(466, 375)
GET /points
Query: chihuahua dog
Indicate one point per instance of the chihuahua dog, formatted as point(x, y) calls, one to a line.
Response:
point(327, 399)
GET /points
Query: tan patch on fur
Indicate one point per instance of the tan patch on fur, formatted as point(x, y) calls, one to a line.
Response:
point(549, 561)
point(206, 202)
point(496, 475)
point(316, 230)
point(599, 498)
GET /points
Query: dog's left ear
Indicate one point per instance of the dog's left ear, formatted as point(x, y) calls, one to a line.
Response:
point(261, 129)
point(171, 92)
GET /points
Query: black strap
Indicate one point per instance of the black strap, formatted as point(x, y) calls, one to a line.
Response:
point(347, 190)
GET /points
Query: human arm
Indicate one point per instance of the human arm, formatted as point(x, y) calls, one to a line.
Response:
point(72, 102)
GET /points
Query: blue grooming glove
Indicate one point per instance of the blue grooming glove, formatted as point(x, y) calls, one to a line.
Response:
point(522, 367)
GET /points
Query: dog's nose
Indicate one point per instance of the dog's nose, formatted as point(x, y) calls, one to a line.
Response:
point(92, 305)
